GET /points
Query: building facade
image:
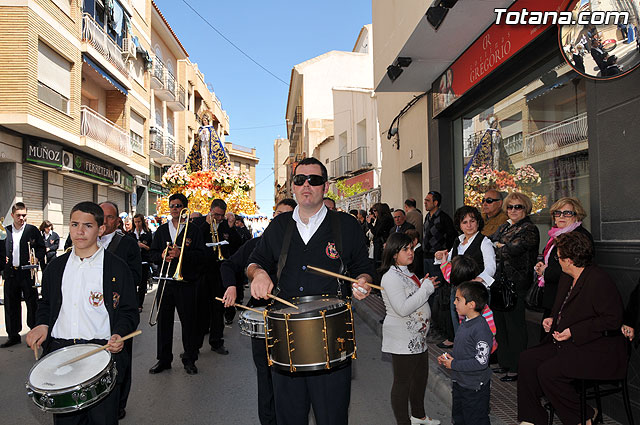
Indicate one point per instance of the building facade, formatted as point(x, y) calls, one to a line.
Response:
point(508, 91)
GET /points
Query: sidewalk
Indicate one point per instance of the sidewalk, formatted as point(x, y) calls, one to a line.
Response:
point(503, 394)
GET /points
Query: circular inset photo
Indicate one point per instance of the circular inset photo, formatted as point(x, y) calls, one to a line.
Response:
point(602, 41)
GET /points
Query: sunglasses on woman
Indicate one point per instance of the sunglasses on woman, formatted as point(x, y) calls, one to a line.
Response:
point(313, 179)
point(565, 213)
point(515, 207)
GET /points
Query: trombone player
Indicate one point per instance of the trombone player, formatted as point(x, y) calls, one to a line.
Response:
point(215, 230)
point(175, 294)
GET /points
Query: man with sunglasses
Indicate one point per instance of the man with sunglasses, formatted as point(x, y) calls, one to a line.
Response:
point(492, 212)
point(326, 239)
point(180, 295)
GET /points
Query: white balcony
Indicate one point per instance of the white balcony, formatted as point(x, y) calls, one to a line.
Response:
point(94, 36)
point(562, 137)
point(107, 134)
point(179, 98)
point(157, 75)
point(162, 148)
point(358, 159)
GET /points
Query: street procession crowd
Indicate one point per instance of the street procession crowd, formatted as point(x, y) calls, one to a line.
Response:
point(464, 282)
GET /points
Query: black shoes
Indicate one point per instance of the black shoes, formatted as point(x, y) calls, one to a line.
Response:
point(121, 414)
point(10, 342)
point(191, 369)
point(228, 322)
point(500, 370)
point(509, 378)
point(159, 367)
point(220, 350)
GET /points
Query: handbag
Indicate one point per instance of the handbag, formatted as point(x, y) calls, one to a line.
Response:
point(503, 294)
point(535, 293)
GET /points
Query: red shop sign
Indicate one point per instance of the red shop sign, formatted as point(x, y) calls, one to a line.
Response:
point(493, 48)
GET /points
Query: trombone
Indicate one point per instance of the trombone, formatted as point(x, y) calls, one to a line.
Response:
point(166, 265)
point(216, 239)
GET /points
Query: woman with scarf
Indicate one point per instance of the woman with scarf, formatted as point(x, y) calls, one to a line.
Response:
point(567, 215)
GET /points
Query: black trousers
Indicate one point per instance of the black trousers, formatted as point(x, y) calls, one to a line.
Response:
point(125, 388)
point(180, 296)
point(542, 374)
point(105, 412)
point(266, 402)
point(17, 285)
point(511, 334)
point(471, 407)
point(210, 315)
point(410, 374)
point(142, 285)
point(328, 392)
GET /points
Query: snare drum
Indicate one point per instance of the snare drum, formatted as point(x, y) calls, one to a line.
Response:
point(252, 323)
point(75, 386)
point(319, 335)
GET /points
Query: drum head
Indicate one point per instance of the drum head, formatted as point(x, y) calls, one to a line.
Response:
point(46, 375)
point(309, 306)
point(252, 316)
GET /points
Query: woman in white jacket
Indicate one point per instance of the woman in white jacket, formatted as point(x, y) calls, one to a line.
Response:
point(404, 332)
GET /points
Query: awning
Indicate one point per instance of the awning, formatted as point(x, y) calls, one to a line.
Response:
point(105, 74)
point(561, 81)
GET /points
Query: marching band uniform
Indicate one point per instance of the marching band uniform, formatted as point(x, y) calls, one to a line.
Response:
point(87, 301)
point(18, 282)
point(51, 242)
point(145, 255)
point(314, 244)
point(180, 296)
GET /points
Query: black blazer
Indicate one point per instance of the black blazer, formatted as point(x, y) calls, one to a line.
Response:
point(193, 257)
point(52, 242)
point(593, 307)
point(226, 233)
point(146, 238)
point(126, 248)
point(118, 289)
point(405, 226)
point(29, 234)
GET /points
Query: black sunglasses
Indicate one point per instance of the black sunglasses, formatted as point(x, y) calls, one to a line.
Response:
point(175, 206)
point(313, 179)
point(515, 207)
point(565, 213)
point(491, 200)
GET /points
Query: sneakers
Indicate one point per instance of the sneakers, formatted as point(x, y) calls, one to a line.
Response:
point(426, 421)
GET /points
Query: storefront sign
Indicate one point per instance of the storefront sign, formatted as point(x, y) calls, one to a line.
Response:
point(156, 188)
point(493, 48)
point(92, 168)
point(40, 152)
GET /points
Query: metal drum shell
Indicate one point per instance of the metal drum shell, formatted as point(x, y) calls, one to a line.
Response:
point(308, 352)
point(250, 326)
point(95, 389)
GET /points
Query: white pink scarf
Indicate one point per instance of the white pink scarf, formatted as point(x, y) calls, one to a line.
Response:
point(553, 233)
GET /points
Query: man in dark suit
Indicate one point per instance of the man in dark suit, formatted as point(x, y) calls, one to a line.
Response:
point(125, 248)
point(177, 295)
point(211, 313)
point(400, 221)
point(88, 296)
point(18, 282)
point(599, 56)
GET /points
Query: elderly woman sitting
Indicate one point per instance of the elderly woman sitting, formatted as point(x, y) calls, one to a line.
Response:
point(584, 339)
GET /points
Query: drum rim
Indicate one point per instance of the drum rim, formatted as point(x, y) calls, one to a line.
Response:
point(322, 365)
point(65, 389)
point(308, 314)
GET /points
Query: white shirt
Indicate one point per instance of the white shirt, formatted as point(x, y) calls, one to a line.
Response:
point(17, 236)
point(105, 240)
point(173, 231)
point(488, 257)
point(83, 313)
point(307, 230)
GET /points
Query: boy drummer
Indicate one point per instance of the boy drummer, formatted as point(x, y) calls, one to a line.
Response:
point(88, 296)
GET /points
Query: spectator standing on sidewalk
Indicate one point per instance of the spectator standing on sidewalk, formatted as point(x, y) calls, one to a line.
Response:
point(414, 216)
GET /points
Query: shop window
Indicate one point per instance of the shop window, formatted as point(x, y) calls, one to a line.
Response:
point(533, 140)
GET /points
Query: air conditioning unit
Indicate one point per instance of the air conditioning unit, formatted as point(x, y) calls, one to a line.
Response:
point(140, 181)
point(117, 177)
point(67, 161)
point(128, 48)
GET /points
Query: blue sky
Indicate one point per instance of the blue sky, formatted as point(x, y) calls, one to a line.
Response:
point(278, 35)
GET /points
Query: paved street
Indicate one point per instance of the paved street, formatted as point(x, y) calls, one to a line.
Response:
point(224, 391)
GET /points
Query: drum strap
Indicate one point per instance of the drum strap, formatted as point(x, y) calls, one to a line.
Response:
point(284, 251)
point(337, 238)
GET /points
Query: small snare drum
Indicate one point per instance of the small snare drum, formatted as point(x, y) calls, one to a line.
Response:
point(75, 386)
point(252, 323)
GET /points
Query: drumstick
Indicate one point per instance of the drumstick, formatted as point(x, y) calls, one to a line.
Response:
point(241, 306)
point(285, 302)
point(339, 276)
point(35, 351)
point(97, 350)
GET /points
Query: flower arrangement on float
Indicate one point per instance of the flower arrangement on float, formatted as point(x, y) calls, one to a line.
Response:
point(202, 187)
point(480, 179)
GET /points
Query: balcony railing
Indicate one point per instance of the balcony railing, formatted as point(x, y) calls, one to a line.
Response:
point(513, 144)
point(297, 122)
point(157, 73)
point(340, 166)
point(103, 131)
point(169, 147)
point(137, 143)
point(156, 141)
point(181, 155)
point(358, 159)
point(564, 133)
point(93, 34)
